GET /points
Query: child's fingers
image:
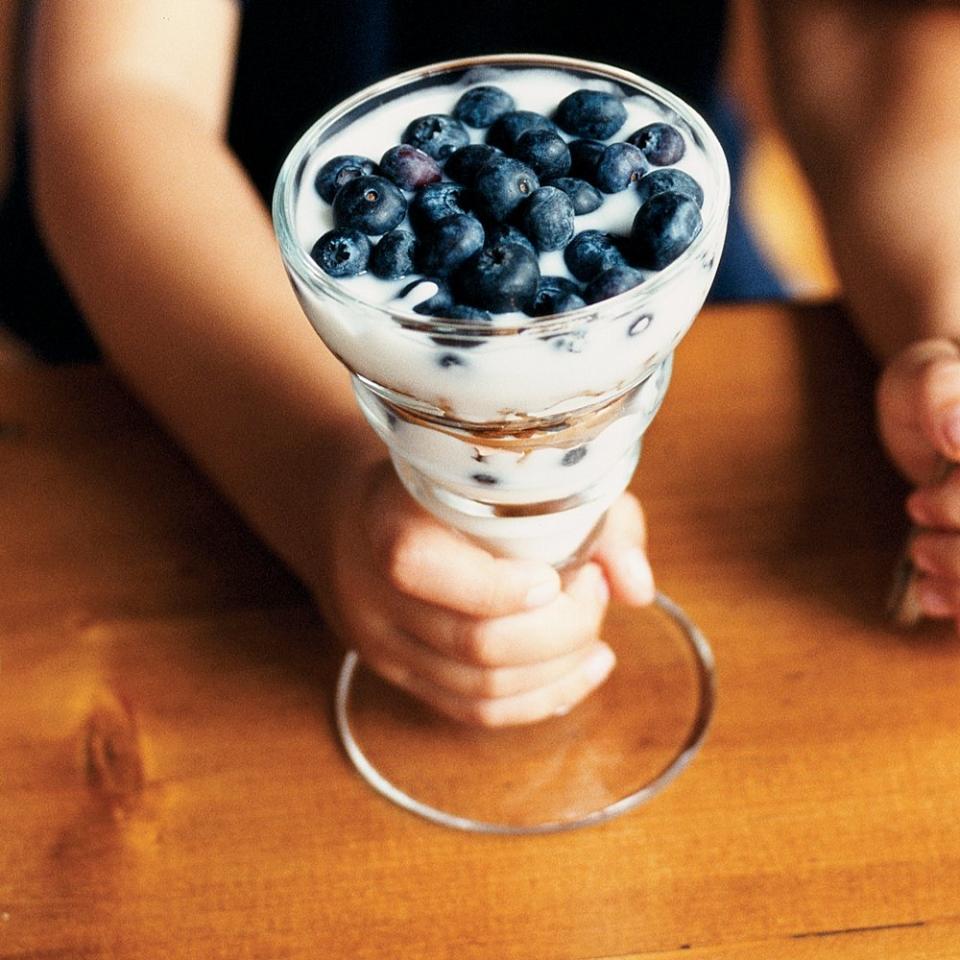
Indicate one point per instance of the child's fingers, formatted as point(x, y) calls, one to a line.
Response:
point(620, 551)
point(423, 559)
point(590, 668)
point(918, 407)
point(567, 624)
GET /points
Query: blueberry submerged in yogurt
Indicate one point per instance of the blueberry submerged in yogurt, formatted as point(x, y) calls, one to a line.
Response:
point(669, 181)
point(547, 218)
point(481, 106)
point(591, 252)
point(436, 201)
point(372, 205)
point(502, 184)
point(556, 295)
point(619, 165)
point(511, 126)
point(501, 278)
point(395, 255)
point(584, 196)
point(436, 134)
point(612, 283)
point(342, 253)
point(591, 113)
point(447, 244)
point(409, 168)
point(464, 164)
point(664, 227)
point(340, 170)
point(545, 152)
point(662, 144)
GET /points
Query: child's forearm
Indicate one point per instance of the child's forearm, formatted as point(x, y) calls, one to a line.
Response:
point(866, 92)
point(173, 260)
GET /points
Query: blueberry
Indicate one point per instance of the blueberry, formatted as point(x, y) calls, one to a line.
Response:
point(480, 106)
point(611, 282)
point(502, 185)
point(556, 295)
point(446, 244)
point(487, 479)
point(584, 157)
point(558, 285)
point(436, 201)
point(571, 342)
point(500, 278)
point(504, 233)
point(447, 360)
point(591, 113)
point(393, 257)
point(461, 312)
point(464, 164)
point(663, 228)
point(661, 143)
point(436, 293)
point(509, 127)
point(544, 152)
point(342, 253)
point(584, 196)
point(672, 181)
point(338, 171)
point(371, 204)
point(409, 168)
point(573, 456)
point(436, 134)
point(546, 217)
point(591, 252)
point(620, 165)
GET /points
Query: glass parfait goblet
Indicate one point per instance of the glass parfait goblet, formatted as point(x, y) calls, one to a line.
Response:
point(519, 433)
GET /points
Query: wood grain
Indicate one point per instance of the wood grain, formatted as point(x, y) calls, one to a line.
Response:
point(170, 786)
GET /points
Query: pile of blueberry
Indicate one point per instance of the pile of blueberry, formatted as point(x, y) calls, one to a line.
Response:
point(480, 213)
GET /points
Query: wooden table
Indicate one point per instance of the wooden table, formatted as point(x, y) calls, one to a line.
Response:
point(170, 785)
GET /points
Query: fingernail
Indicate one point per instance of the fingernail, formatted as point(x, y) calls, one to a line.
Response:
point(921, 560)
point(916, 510)
point(540, 594)
point(601, 588)
point(933, 602)
point(639, 576)
point(950, 427)
point(598, 667)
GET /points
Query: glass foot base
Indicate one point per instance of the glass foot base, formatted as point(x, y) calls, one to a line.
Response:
point(611, 753)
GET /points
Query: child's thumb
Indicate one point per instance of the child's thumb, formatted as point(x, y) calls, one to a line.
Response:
point(619, 550)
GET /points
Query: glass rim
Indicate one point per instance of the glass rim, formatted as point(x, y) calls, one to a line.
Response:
point(297, 258)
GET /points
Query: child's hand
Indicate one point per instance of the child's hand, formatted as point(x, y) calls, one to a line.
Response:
point(918, 409)
point(483, 640)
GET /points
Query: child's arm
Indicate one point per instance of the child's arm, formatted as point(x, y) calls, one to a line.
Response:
point(870, 95)
point(172, 257)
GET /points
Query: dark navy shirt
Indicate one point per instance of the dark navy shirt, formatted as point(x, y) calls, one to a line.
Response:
point(297, 58)
point(300, 57)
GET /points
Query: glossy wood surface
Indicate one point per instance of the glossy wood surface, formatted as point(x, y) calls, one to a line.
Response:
point(170, 785)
